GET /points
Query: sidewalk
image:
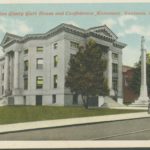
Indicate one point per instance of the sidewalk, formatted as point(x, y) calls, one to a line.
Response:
point(68, 122)
point(131, 107)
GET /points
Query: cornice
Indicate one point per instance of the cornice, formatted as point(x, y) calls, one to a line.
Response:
point(99, 36)
point(119, 44)
point(58, 29)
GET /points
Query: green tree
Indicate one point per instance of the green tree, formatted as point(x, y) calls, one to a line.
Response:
point(135, 82)
point(85, 76)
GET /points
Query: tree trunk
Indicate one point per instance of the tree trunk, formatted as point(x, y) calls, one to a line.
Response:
point(85, 101)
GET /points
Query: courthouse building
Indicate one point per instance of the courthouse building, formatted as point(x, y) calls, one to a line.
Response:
point(33, 68)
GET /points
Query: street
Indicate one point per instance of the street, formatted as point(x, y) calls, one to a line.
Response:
point(135, 129)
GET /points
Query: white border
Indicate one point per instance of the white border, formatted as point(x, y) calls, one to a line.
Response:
point(71, 1)
point(73, 144)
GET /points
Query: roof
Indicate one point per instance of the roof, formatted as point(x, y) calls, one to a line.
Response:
point(102, 32)
point(104, 28)
point(126, 68)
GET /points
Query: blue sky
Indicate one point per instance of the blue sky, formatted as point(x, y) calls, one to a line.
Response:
point(128, 28)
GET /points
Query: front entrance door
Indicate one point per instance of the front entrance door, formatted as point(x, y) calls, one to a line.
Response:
point(38, 99)
point(75, 99)
point(11, 100)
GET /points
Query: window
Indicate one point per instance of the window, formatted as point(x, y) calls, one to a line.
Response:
point(75, 99)
point(39, 99)
point(26, 83)
point(26, 51)
point(55, 81)
point(115, 84)
point(39, 82)
point(24, 100)
point(115, 68)
point(72, 55)
point(55, 45)
point(53, 98)
point(74, 44)
point(2, 90)
point(26, 63)
point(55, 60)
point(2, 76)
point(125, 81)
point(39, 49)
point(39, 63)
point(114, 56)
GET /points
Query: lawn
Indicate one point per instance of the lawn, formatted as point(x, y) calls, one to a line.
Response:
point(15, 114)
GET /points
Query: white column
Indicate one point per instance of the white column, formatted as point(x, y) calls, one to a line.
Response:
point(6, 67)
point(143, 89)
point(143, 99)
point(11, 72)
point(111, 91)
point(16, 70)
point(0, 80)
point(120, 79)
point(120, 75)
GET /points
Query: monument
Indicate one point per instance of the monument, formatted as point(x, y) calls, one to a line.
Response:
point(143, 99)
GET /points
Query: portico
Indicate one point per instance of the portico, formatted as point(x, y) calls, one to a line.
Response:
point(111, 90)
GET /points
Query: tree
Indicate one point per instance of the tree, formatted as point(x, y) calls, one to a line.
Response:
point(85, 76)
point(135, 82)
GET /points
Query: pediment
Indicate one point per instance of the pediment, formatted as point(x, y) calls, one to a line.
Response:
point(105, 31)
point(8, 38)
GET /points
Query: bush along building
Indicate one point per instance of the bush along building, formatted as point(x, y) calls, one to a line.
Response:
point(33, 68)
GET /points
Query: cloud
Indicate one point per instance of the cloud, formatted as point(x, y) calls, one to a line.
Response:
point(72, 23)
point(121, 34)
point(137, 30)
point(125, 18)
point(121, 21)
point(109, 22)
point(133, 55)
point(14, 26)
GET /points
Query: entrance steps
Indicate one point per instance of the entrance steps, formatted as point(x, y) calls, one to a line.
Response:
point(109, 102)
point(3, 102)
point(138, 105)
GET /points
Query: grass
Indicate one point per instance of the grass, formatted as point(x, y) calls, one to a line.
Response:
point(16, 114)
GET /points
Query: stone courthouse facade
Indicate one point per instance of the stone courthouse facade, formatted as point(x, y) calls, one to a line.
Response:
point(33, 68)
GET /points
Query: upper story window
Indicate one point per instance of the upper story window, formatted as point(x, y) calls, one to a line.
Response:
point(55, 60)
point(53, 98)
point(2, 90)
point(115, 68)
point(55, 45)
point(26, 65)
point(74, 44)
point(114, 56)
point(2, 76)
point(72, 55)
point(26, 51)
point(55, 81)
point(39, 63)
point(26, 83)
point(39, 49)
point(39, 82)
point(115, 84)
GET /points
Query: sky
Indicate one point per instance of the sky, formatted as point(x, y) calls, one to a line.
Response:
point(129, 21)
